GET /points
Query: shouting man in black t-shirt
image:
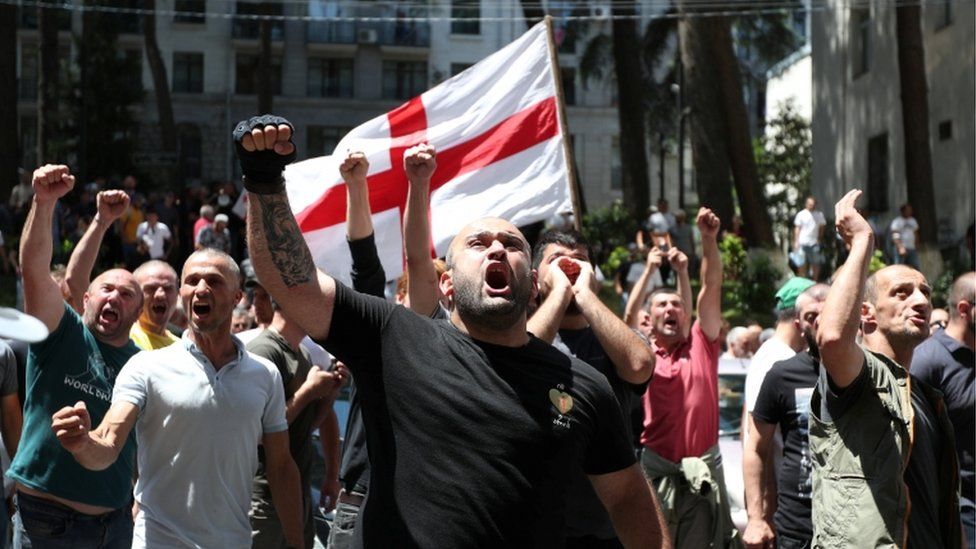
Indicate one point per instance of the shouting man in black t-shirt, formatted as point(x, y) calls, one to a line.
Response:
point(572, 317)
point(784, 400)
point(473, 426)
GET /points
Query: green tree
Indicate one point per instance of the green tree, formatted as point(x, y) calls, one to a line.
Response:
point(784, 159)
point(108, 87)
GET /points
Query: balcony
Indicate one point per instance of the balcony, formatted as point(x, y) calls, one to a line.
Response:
point(397, 30)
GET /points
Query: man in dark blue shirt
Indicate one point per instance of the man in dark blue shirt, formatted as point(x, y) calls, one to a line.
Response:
point(947, 362)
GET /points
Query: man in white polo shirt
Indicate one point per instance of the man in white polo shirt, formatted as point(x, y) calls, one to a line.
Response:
point(200, 408)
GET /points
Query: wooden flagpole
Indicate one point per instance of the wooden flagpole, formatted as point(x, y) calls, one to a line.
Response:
point(563, 128)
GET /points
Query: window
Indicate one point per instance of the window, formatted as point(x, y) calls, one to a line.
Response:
point(458, 68)
point(250, 29)
point(945, 130)
point(29, 59)
point(616, 173)
point(133, 65)
point(190, 11)
point(569, 85)
point(465, 9)
point(322, 140)
point(947, 13)
point(190, 153)
point(329, 77)
point(404, 79)
point(187, 72)
point(878, 173)
point(860, 40)
point(246, 74)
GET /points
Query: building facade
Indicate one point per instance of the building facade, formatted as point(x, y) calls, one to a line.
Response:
point(330, 76)
point(857, 123)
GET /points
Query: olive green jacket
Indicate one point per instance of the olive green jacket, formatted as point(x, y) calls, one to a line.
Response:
point(859, 494)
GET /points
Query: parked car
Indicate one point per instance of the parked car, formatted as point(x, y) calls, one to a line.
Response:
point(731, 399)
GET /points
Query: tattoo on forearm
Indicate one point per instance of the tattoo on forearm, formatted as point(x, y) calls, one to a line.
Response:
point(287, 247)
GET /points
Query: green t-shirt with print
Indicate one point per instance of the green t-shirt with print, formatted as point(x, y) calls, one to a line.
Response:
point(71, 365)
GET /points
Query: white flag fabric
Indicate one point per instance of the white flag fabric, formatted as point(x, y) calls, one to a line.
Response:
point(499, 153)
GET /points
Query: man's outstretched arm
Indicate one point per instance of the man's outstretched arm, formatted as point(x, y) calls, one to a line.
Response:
point(278, 251)
point(841, 316)
point(111, 205)
point(98, 449)
point(710, 295)
point(42, 296)
point(419, 163)
point(633, 508)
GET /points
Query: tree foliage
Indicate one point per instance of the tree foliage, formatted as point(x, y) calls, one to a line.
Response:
point(784, 159)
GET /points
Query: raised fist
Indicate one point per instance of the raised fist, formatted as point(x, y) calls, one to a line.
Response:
point(420, 161)
point(708, 223)
point(849, 222)
point(71, 425)
point(111, 204)
point(654, 259)
point(677, 259)
point(264, 147)
point(354, 168)
point(51, 182)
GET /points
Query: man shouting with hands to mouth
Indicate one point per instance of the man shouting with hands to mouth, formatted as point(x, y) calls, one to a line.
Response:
point(474, 426)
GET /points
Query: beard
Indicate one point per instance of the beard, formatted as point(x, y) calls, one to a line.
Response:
point(497, 312)
point(812, 347)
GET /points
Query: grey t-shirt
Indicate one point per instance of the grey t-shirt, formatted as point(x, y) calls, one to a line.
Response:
point(293, 367)
point(922, 474)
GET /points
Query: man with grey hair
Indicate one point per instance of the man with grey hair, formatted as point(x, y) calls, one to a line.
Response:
point(946, 361)
point(784, 400)
point(878, 435)
point(199, 408)
point(474, 425)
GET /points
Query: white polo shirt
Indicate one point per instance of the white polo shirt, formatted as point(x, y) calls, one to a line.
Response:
point(198, 433)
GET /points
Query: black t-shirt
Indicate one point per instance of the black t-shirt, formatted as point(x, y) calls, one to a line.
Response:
point(784, 400)
point(923, 472)
point(367, 277)
point(470, 444)
point(585, 514)
point(950, 367)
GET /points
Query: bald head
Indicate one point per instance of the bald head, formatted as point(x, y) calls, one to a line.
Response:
point(877, 280)
point(485, 225)
point(117, 277)
point(963, 289)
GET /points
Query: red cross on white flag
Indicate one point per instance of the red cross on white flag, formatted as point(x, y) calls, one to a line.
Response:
point(499, 153)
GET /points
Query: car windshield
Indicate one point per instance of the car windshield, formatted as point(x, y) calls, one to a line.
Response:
point(731, 392)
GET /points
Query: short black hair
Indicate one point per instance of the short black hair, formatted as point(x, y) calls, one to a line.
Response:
point(569, 239)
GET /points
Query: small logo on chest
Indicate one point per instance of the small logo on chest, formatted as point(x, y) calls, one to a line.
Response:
point(563, 403)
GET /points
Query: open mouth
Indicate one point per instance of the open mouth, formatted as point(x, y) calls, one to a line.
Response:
point(109, 315)
point(201, 309)
point(496, 279)
point(671, 323)
point(158, 308)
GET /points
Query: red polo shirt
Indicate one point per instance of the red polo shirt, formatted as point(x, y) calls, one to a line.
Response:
point(681, 402)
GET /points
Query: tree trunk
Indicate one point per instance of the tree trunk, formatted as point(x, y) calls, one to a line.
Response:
point(706, 123)
point(47, 83)
point(752, 202)
point(9, 149)
point(265, 85)
point(630, 113)
point(915, 120)
point(164, 101)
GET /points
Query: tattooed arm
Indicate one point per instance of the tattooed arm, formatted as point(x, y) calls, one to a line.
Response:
point(280, 256)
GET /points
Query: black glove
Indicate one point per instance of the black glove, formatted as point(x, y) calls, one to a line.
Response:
point(262, 169)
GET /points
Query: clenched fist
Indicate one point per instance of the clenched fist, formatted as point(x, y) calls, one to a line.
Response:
point(51, 182)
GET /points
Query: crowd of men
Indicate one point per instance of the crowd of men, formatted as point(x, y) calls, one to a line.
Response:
point(499, 402)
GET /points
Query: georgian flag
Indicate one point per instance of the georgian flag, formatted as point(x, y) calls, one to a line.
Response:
point(499, 153)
